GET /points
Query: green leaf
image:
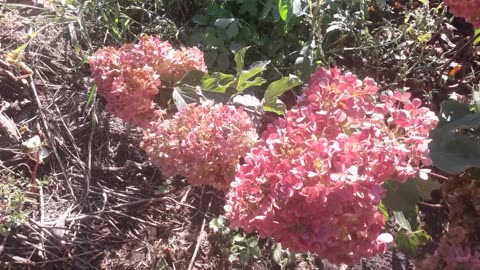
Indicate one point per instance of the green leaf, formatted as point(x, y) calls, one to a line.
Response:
point(277, 253)
point(200, 19)
point(278, 88)
point(240, 59)
point(425, 187)
point(245, 256)
point(284, 7)
point(454, 153)
point(233, 29)
point(424, 38)
point(276, 106)
point(451, 111)
point(252, 242)
point(91, 94)
point(217, 82)
point(450, 150)
point(223, 23)
point(255, 252)
point(271, 101)
point(242, 81)
point(400, 196)
point(238, 238)
point(183, 95)
point(383, 210)
point(406, 220)
point(477, 40)
point(409, 242)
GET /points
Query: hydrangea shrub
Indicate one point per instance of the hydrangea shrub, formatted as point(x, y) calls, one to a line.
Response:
point(468, 9)
point(313, 181)
point(129, 77)
point(203, 143)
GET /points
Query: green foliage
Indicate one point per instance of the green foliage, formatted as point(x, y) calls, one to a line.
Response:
point(283, 257)
point(224, 27)
point(401, 199)
point(226, 88)
point(409, 242)
point(240, 247)
point(116, 21)
point(271, 101)
point(12, 199)
point(454, 147)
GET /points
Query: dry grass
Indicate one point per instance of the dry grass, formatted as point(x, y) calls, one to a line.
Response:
point(99, 209)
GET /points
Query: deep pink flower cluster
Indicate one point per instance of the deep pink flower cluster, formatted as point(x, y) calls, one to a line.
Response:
point(468, 9)
point(129, 77)
point(313, 181)
point(203, 143)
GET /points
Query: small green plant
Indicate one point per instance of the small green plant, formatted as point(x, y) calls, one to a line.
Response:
point(12, 199)
point(241, 247)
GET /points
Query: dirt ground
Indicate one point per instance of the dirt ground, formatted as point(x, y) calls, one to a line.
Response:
point(104, 206)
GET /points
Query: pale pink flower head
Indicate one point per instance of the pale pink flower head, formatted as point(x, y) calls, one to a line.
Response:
point(129, 77)
point(203, 143)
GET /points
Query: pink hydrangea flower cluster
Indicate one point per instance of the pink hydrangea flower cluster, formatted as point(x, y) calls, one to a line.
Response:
point(468, 9)
point(203, 143)
point(313, 181)
point(129, 77)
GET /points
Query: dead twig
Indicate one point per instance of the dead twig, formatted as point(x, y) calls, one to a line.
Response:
point(49, 136)
point(199, 239)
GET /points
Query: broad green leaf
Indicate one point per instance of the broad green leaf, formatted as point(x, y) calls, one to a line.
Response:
point(451, 111)
point(223, 98)
point(450, 150)
point(223, 22)
point(232, 29)
point(183, 95)
point(192, 78)
point(217, 82)
point(278, 88)
point(400, 196)
point(240, 59)
point(268, 6)
point(303, 67)
point(276, 106)
point(242, 81)
point(453, 152)
point(406, 220)
point(284, 6)
point(425, 187)
point(409, 242)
